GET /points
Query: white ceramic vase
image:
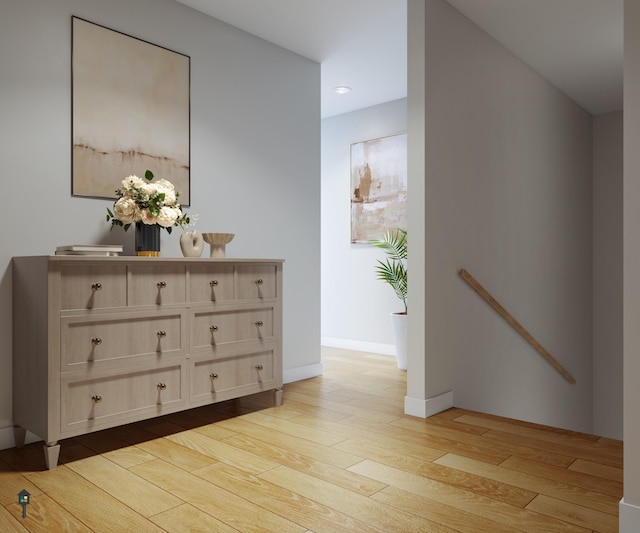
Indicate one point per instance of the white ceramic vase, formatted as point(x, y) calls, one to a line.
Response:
point(399, 326)
point(191, 243)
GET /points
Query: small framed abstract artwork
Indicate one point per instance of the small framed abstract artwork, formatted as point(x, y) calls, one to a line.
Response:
point(378, 187)
point(130, 111)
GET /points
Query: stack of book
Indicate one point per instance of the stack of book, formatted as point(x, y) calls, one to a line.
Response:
point(104, 250)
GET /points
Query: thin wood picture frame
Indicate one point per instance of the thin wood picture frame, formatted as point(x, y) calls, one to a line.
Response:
point(130, 111)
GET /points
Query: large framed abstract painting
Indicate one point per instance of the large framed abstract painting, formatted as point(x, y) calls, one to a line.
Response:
point(130, 111)
point(378, 187)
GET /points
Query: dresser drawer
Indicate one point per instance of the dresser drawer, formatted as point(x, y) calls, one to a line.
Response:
point(211, 283)
point(215, 328)
point(93, 342)
point(256, 282)
point(210, 378)
point(157, 284)
point(104, 402)
point(93, 286)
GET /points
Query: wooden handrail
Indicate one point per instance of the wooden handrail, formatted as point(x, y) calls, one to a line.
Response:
point(515, 324)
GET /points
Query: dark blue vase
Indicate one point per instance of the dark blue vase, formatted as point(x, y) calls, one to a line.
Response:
point(147, 239)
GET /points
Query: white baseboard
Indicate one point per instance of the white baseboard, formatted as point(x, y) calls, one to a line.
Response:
point(8, 441)
point(302, 372)
point(359, 346)
point(629, 517)
point(430, 406)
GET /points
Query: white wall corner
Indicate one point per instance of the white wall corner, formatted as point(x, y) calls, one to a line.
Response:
point(629, 517)
point(302, 372)
point(430, 406)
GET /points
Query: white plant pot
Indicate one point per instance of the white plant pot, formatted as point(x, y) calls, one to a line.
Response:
point(399, 325)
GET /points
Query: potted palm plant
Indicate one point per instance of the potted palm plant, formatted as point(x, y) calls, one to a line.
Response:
point(393, 270)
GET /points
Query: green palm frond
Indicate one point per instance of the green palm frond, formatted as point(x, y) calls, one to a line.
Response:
point(394, 269)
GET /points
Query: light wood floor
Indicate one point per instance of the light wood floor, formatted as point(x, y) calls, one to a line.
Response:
point(338, 455)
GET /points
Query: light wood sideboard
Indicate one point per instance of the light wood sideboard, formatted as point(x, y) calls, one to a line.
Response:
point(104, 341)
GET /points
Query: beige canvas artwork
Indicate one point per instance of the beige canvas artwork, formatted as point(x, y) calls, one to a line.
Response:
point(130, 112)
point(378, 187)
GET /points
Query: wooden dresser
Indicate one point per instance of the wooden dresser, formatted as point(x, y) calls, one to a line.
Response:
point(104, 341)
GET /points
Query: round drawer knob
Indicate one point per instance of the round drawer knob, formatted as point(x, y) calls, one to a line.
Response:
point(259, 367)
point(213, 283)
point(161, 284)
point(161, 334)
point(213, 375)
point(96, 286)
point(259, 281)
point(213, 328)
point(96, 341)
point(259, 323)
point(162, 386)
point(96, 398)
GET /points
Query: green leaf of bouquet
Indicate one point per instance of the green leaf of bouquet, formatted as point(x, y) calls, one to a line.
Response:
point(148, 175)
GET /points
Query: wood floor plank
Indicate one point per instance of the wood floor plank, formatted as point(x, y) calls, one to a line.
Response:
point(594, 469)
point(305, 447)
point(11, 521)
point(133, 491)
point(324, 438)
point(174, 453)
point(495, 510)
point(221, 451)
point(188, 519)
point(482, 485)
point(214, 431)
point(536, 483)
point(340, 407)
point(80, 497)
point(223, 505)
point(395, 437)
point(370, 511)
point(338, 476)
point(294, 506)
point(129, 456)
point(550, 448)
point(567, 440)
point(458, 520)
point(487, 441)
point(46, 516)
point(573, 477)
point(575, 514)
point(398, 456)
point(530, 425)
point(315, 410)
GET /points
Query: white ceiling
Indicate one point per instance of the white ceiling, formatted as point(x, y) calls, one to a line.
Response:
point(575, 44)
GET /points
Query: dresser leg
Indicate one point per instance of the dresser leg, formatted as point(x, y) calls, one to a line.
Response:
point(19, 435)
point(51, 454)
point(277, 397)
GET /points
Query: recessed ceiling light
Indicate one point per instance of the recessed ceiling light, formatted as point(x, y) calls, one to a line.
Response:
point(342, 90)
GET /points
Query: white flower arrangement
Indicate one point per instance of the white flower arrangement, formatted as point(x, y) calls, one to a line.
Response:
point(141, 200)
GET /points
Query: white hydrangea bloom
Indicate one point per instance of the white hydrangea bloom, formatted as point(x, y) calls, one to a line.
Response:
point(147, 217)
point(149, 188)
point(132, 182)
point(166, 185)
point(125, 210)
point(168, 216)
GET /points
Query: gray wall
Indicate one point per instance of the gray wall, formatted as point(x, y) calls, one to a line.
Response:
point(355, 305)
point(607, 274)
point(508, 196)
point(255, 152)
point(630, 508)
